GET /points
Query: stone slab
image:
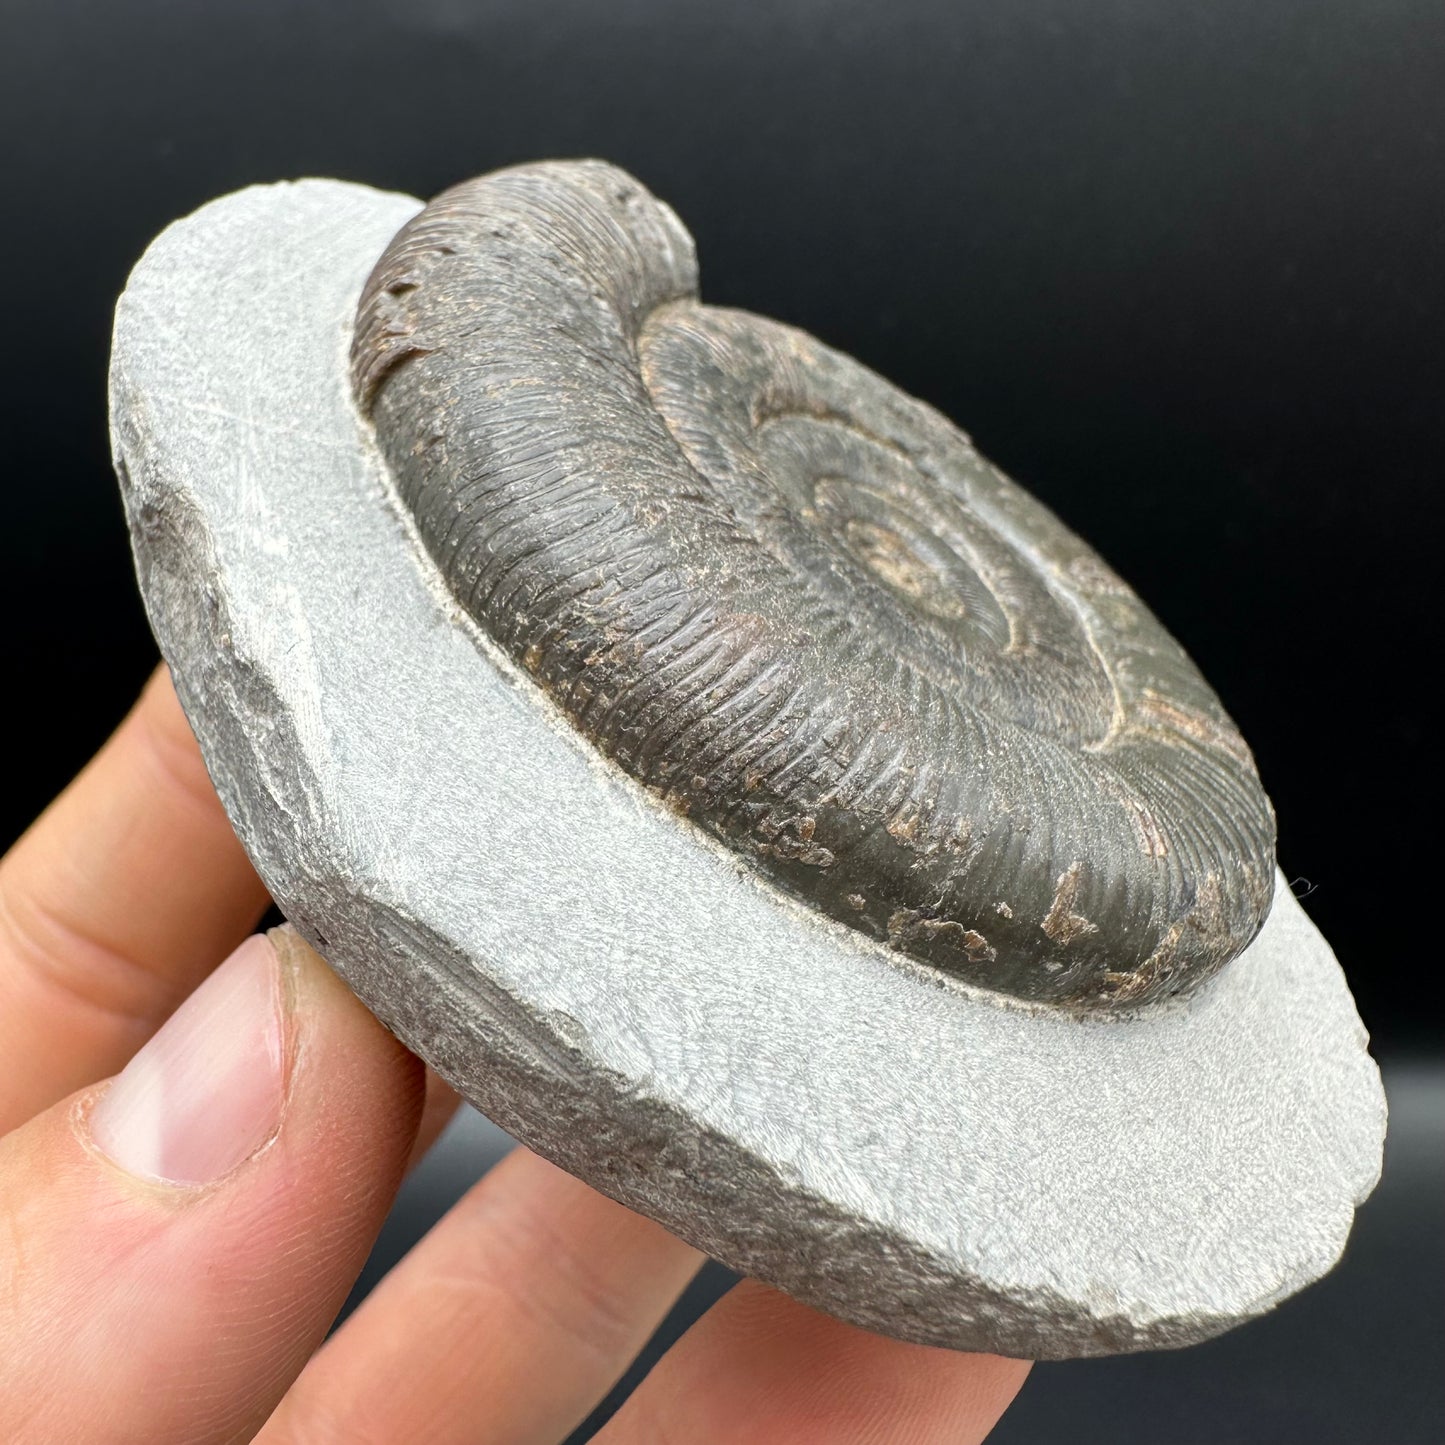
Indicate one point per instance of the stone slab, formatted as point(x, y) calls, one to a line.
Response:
point(616, 992)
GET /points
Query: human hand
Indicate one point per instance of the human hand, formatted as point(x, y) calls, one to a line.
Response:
point(175, 1243)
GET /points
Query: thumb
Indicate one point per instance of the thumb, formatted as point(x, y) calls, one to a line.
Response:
point(174, 1245)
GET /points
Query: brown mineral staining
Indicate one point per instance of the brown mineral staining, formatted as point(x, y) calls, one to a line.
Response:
point(799, 606)
point(1061, 923)
point(1151, 836)
point(1209, 902)
point(907, 928)
point(792, 840)
point(1162, 972)
point(796, 851)
point(1156, 711)
point(1123, 989)
point(901, 923)
point(978, 947)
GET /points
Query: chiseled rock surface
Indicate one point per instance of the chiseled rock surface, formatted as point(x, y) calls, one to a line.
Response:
point(616, 991)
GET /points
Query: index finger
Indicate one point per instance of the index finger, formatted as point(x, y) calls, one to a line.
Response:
point(125, 892)
point(761, 1367)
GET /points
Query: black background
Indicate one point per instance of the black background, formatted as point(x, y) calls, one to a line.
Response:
point(1177, 268)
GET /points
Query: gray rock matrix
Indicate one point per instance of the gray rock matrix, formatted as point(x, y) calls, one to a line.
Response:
point(614, 988)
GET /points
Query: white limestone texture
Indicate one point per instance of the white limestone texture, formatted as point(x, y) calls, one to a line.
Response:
point(621, 994)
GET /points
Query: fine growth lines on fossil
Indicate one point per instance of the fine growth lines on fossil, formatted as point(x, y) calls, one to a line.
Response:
point(797, 603)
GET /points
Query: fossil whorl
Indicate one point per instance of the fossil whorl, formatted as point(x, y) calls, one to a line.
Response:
point(800, 606)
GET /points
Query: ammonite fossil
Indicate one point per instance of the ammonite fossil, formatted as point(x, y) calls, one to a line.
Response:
point(800, 605)
point(692, 749)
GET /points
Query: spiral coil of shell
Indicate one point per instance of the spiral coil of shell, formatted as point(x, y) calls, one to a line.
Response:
point(798, 605)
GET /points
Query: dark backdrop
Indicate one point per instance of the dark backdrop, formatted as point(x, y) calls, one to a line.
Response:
point(1176, 266)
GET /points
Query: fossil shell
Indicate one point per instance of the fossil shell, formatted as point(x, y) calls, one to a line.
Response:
point(799, 605)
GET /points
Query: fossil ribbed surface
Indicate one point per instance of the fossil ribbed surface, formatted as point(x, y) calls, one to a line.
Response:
point(797, 604)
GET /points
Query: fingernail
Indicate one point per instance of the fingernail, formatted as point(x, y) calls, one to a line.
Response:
point(206, 1092)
